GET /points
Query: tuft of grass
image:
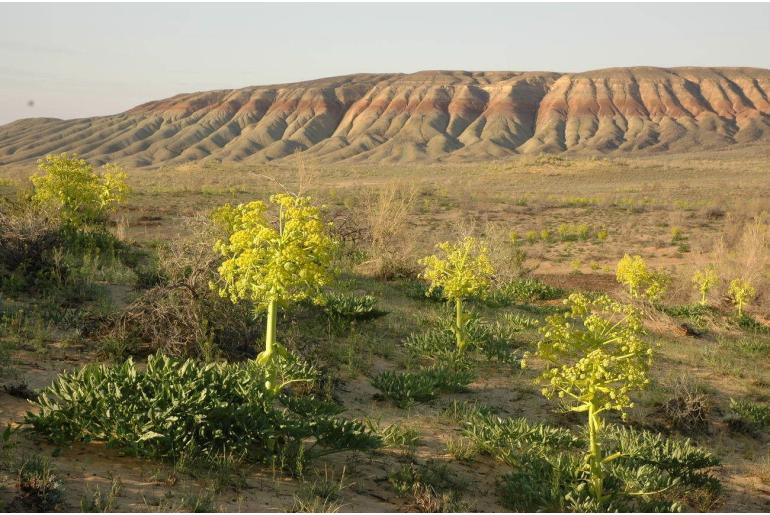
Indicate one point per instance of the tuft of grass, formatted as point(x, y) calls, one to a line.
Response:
point(323, 495)
point(97, 502)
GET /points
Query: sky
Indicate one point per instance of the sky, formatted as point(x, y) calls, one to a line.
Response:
point(78, 60)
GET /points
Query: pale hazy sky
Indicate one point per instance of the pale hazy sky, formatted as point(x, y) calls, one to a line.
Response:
point(75, 60)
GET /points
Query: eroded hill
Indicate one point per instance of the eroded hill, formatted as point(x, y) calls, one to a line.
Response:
point(441, 115)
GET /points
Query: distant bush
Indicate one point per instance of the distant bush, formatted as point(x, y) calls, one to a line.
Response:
point(75, 192)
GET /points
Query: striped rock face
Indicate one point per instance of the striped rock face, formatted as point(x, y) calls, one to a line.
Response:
point(425, 116)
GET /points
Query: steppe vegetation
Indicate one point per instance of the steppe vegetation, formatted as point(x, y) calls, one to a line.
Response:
point(544, 333)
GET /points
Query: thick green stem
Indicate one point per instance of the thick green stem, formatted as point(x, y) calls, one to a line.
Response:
point(459, 328)
point(595, 454)
point(272, 316)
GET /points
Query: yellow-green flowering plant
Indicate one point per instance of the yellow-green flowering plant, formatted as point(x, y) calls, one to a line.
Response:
point(274, 264)
point(72, 188)
point(705, 280)
point(462, 271)
point(641, 281)
point(595, 357)
point(741, 292)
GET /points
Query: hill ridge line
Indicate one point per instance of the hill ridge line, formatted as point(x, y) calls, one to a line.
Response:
point(433, 115)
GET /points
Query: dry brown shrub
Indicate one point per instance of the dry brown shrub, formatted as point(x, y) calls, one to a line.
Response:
point(507, 255)
point(743, 252)
point(688, 408)
point(26, 234)
point(384, 215)
point(182, 315)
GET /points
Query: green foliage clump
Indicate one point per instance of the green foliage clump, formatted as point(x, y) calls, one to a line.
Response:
point(78, 194)
point(341, 306)
point(494, 340)
point(521, 291)
point(752, 416)
point(39, 486)
point(508, 438)
point(274, 265)
point(741, 292)
point(177, 406)
point(648, 473)
point(574, 232)
point(420, 290)
point(463, 272)
point(408, 388)
point(595, 358)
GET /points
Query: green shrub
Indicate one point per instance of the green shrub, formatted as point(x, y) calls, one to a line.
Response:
point(749, 323)
point(177, 406)
point(420, 290)
point(494, 340)
point(507, 438)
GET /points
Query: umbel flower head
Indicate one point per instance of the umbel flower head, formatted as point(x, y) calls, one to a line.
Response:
point(464, 271)
point(595, 354)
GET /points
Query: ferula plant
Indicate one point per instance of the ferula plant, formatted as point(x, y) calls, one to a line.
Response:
point(641, 281)
point(78, 194)
point(461, 272)
point(741, 292)
point(274, 264)
point(705, 280)
point(595, 358)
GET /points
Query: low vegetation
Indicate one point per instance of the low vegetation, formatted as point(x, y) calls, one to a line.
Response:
point(379, 371)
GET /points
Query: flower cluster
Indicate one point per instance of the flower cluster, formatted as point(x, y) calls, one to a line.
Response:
point(641, 280)
point(464, 272)
point(596, 354)
point(284, 262)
